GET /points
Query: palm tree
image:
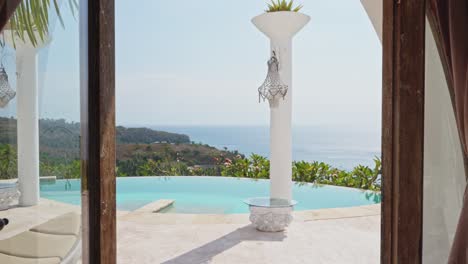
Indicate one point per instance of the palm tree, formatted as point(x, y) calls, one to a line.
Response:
point(31, 19)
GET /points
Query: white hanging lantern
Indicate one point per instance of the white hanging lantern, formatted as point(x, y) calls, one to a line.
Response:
point(6, 93)
point(272, 88)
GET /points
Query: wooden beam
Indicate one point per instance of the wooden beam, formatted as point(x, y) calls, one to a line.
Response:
point(7, 8)
point(98, 131)
point(403, 130)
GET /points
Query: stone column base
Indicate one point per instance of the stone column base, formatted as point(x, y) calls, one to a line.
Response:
point(9, 196)
point(267, 219)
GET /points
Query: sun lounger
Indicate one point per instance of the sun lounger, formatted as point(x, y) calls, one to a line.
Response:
point(6, 259)
point(67, 224)
point(54, 242)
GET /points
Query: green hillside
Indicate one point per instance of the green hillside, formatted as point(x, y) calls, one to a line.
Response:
point(136, 147)
point(58, 133)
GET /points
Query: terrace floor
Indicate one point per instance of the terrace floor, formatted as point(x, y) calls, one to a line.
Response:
point(342, 235)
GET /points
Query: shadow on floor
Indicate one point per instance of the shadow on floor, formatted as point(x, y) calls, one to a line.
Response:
point(205, 253)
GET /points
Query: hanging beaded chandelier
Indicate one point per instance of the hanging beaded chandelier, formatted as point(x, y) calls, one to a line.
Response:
point(272, 87)
point(6, 93)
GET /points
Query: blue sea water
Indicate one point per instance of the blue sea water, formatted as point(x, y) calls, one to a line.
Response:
point(339, 146)
point(221, 195)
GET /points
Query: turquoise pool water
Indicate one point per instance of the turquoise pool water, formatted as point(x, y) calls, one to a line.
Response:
point(220, 195)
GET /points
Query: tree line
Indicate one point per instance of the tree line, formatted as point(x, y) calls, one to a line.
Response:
point(175, 160)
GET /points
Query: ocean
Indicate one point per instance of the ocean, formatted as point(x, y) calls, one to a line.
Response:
point(340, 147)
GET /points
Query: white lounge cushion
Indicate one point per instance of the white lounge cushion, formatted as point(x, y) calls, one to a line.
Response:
point(67, 224)
point(38, 245)
point(6, 259)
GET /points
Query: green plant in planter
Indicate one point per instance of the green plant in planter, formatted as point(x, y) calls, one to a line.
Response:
point(282, 5)
point(32, 16)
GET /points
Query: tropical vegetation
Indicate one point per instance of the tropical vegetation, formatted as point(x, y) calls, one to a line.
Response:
point(258, 167)
point(282, 5)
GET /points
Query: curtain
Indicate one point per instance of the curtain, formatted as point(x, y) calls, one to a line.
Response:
point(449, 21)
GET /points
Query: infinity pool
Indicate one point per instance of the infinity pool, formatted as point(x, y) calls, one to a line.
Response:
point(205, 195)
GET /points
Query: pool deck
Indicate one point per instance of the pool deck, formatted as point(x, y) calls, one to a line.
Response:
point(338, 235)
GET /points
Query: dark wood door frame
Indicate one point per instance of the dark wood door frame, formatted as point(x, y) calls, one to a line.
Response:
point(98, 131)
point(97, 95)
point(403, 130)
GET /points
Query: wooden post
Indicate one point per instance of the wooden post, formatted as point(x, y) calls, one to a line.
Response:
point(403, 130)
point(98, 131)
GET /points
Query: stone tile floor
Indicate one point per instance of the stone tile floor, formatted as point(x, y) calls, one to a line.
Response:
point(354, 239)
point(342, 235)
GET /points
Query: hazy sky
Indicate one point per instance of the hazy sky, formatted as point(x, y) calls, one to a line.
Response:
point(200, 62)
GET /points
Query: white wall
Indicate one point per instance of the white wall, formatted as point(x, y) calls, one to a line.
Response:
point(374, 9)
point(444, 176)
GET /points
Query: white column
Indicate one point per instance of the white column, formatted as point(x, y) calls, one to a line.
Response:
point(281, 27)
point(28, 125)
point(280, 127)
point(27, 111)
